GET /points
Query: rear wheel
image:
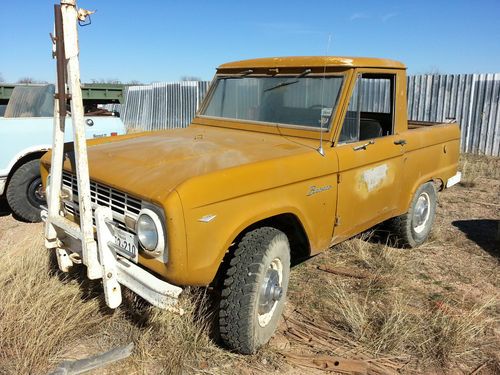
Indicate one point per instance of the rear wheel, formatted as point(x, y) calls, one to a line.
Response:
point(414, 227)
point(25, 192)
point(254, 290)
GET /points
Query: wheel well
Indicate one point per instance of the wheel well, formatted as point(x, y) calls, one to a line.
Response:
point(26, 158)
point(290, 225)
point(287, 223)
point(438, 183)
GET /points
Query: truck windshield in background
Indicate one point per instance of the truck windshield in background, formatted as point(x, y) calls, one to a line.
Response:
point(38, 101)
point(299, 101)
point(31, 101)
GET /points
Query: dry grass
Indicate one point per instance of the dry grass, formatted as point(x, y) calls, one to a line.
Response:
point(46, 317)
point(451, 334)
point(386, 312)
point(474, 167)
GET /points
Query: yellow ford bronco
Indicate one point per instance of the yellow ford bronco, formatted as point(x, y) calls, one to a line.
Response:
point(285, 158)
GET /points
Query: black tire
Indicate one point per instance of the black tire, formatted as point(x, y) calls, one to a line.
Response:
point(23, 192)
point(243, 321)
point(413, 228)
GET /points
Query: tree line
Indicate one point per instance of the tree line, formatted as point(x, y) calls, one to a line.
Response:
point(28, 80)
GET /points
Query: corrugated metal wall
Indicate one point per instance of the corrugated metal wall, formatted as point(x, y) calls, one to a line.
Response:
point(162, 105)
point(471, 99)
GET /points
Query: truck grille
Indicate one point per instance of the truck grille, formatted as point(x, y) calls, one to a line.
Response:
point(121, 203)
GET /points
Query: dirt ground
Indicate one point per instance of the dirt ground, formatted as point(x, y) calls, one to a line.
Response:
point(361, 306)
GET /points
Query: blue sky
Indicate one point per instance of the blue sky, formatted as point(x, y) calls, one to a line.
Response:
point(163, 40)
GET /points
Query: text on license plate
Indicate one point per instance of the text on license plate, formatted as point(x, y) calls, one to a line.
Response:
point(127, 244)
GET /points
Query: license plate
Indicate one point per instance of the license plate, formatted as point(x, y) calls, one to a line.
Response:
point(126, 244)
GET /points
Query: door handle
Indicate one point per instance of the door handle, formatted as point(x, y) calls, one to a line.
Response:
point(363, 146)
point(400, 142)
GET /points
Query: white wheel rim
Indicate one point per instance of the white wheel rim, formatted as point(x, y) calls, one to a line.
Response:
point(421, 213)
point(275, 267)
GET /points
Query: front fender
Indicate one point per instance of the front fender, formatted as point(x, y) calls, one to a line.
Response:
point(209, 240)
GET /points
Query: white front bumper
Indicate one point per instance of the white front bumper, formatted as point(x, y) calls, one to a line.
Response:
point(116, 270)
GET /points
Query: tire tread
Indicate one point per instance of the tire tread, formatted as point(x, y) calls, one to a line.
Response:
point(240, 290)
point(16, 191)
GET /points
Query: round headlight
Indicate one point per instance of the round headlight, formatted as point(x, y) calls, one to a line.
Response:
point(147, 232)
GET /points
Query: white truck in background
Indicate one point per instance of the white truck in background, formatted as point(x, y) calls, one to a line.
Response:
point(26, 134)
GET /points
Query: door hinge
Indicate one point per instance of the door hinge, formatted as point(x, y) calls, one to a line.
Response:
point(339, 178)
point(337, 221)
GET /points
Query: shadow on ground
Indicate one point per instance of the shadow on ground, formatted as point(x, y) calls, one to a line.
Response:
point(484, 232)
point(4, 208)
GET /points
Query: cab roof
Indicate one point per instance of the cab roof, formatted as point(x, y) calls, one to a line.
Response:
point(313, 62)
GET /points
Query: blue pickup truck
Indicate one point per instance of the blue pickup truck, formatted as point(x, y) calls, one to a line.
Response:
point(26, 134)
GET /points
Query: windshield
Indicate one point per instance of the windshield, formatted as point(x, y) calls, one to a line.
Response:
point(303, 101)
point(31, 101)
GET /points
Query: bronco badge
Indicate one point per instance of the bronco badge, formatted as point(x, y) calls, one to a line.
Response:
point(315, 189)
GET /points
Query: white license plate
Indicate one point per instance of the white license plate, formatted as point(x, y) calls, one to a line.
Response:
point(127, 244)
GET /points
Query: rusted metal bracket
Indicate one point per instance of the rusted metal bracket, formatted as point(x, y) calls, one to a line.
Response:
point(65, 96)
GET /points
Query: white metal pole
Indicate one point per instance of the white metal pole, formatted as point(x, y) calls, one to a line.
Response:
point(89, 246)
point(54, 190)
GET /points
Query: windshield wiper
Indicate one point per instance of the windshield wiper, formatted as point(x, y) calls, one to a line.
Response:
point(245, 72)
point(286, 83)
point(281, 84)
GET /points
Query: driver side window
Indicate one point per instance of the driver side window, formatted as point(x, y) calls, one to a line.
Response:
point(370, 113)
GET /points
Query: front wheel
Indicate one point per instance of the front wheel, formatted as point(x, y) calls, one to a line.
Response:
point(254, 290)
point(414, 227)
point(25, 192)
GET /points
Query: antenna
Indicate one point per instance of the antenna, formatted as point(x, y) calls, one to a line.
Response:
point(320, 148)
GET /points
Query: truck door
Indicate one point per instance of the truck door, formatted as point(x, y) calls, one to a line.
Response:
point(370, 157)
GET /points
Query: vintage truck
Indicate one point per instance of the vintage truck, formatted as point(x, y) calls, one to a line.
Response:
point(26, 134)
point(285, 158)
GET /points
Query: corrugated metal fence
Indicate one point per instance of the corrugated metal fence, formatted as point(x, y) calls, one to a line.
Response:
point(471, 99)
point(162, 105)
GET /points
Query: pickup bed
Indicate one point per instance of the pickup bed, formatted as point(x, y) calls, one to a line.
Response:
point(285, 158)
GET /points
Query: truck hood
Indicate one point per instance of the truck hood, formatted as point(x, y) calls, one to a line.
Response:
point(151, 165)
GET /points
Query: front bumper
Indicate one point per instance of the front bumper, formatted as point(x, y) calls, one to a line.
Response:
point(115, 269)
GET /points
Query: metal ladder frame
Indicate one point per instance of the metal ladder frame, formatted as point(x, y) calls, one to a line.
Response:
point(100, 260)
point(100, 257)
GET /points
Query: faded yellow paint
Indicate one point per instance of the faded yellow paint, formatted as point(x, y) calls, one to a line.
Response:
point(246, 172)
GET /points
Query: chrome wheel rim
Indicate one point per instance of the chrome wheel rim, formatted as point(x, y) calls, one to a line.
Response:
point(271, 292)
point(421, 213)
